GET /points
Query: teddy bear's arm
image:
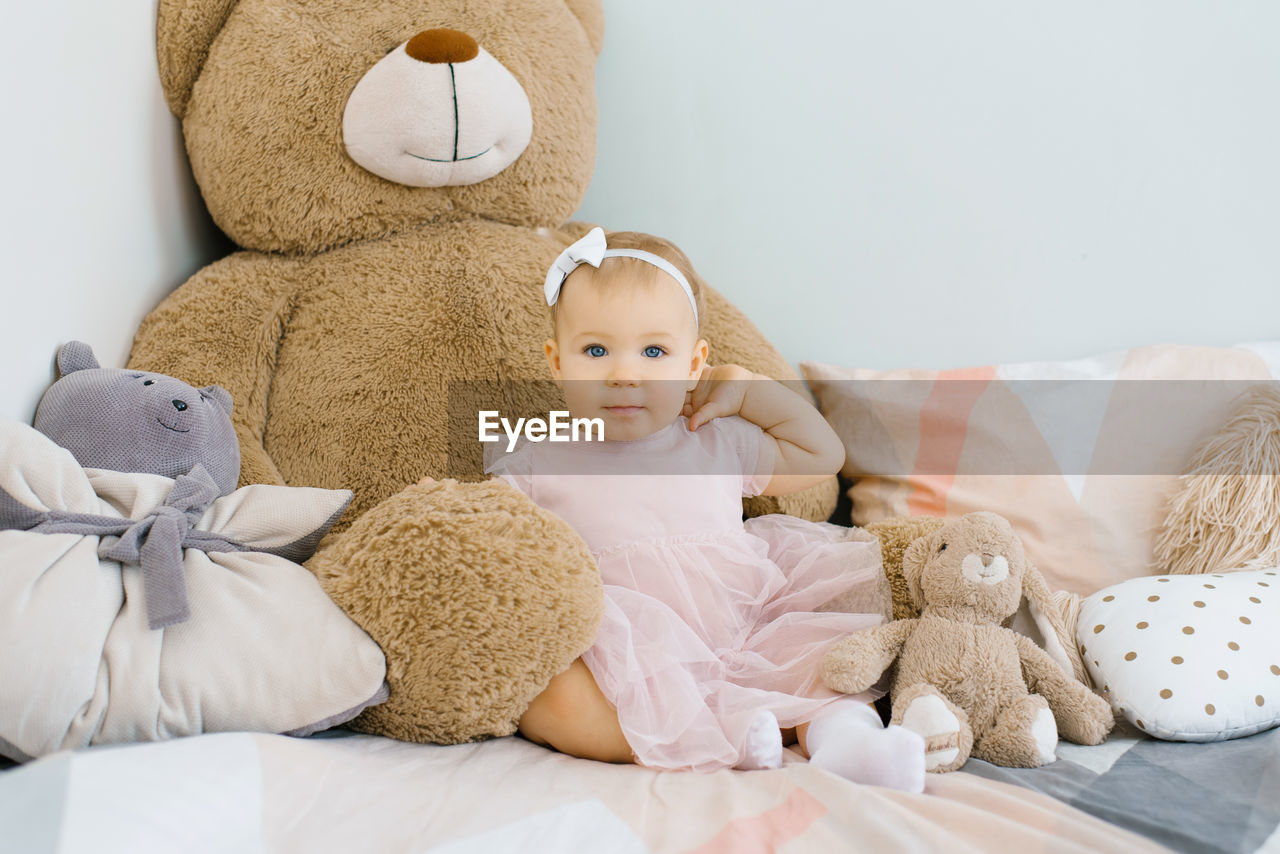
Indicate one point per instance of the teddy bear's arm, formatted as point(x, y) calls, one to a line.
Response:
point(855, 663)
point(223, 327)
point(1082, 716)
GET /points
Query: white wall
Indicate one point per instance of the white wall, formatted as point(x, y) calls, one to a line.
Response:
point(938, 184)
point(99, 216)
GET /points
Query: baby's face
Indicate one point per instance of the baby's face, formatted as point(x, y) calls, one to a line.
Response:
point(625, 353)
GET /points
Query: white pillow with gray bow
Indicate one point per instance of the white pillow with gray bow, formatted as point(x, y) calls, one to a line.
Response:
point(140, 607)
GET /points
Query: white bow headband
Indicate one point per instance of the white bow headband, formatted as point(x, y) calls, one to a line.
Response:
point(591, 249)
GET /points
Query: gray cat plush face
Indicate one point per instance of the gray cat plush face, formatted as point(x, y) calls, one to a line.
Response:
point(134, 421)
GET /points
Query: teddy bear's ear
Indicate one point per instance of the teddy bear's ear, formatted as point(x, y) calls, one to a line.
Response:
point(1054, 617)
point(184, 31)
point(220, 395)
point(590, 14)
point(76, 356)
point(913, 561)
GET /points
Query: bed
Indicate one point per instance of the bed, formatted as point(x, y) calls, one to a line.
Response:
point(343, 791)
point(339, 790)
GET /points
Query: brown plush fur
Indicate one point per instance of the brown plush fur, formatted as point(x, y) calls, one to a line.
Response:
point(369, 321)
point(263, 122)
point(457, 584)
point(895, 536)
point(994, 681)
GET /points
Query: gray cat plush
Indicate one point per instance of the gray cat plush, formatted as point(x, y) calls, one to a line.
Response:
point(135, 421)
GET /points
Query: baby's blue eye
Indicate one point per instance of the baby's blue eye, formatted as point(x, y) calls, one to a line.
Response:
point(654, 351)
point(595, 351)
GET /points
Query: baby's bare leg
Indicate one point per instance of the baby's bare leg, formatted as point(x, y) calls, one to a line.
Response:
point(573, 716)
point(799, 736)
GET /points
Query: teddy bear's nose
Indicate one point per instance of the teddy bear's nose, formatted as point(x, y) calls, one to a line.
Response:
point(180, 405)
point(987, 557)
point(442, 45)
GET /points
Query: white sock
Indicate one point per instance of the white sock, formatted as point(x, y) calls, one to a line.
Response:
point(848, 739)
point(762, 748)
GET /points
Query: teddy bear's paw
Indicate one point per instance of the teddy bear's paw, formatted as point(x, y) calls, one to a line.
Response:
point(477, 597)
point(850, 666)
point(1090, 724)
point(1024, 735)
point(1045, 732)
point(929, 717)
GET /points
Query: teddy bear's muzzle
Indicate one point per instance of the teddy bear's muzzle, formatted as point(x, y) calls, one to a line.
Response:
point(438, 111)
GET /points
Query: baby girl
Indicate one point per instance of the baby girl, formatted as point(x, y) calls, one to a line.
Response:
point(708, 654)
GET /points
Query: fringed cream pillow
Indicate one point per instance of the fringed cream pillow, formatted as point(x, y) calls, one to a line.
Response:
point(1226, 515)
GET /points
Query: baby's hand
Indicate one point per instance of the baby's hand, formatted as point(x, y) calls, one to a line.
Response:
point(425, 481)
point(719, 392)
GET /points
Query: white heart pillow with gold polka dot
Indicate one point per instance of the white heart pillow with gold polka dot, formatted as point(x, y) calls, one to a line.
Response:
point(1188, 657)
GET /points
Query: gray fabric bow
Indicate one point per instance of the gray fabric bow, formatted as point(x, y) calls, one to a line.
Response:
point(155, 541)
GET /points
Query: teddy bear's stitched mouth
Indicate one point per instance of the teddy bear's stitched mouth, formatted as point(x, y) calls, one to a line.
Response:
point(167, 427)
point(451, 160)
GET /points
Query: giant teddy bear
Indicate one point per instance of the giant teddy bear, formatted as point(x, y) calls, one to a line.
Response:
point(398, 176)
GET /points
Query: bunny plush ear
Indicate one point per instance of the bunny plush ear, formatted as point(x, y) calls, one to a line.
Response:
point(1050, 620)
point(76, 356)
point(913, 561)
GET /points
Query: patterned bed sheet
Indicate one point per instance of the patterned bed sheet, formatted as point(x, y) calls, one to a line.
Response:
point(1220, 797)
point(342, 791)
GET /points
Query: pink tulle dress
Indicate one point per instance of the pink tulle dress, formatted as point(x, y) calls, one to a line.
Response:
point(707, 620)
